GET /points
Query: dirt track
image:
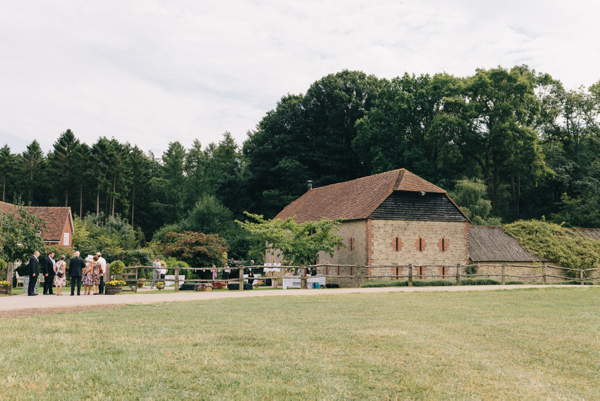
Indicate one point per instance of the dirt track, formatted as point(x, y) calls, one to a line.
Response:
point(49, 304)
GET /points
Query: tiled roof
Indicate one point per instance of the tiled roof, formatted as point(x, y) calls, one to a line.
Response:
point(491, 244)
point(356, 199)
point(55, 218)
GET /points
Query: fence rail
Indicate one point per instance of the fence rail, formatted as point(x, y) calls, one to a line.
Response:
point(357, 275)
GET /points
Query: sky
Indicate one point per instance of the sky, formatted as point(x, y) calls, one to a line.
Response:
point(156, 71)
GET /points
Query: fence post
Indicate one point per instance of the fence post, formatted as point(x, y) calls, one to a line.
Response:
point(303, 278)
point(241, 279)
point(176, 279)
point(503, 274)
point(544, 272)
point(9, 276)
point(137, 271)
point(581, 276)
point(458, 274)
point(410, 275)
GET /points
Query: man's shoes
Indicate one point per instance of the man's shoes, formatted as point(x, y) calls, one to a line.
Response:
point(32, 295)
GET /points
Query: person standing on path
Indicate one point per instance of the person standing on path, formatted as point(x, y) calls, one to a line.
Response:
point(60, 279)
point(48, 271)
point(34, 271)
point(102, 262)
point(96, 273)
point(155, 272)
point(76, 266)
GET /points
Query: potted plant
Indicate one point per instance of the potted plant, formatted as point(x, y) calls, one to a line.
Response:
point(141, 282)
point(114, 287)
point(117, 267)
point(4, 287)
point(160, 285)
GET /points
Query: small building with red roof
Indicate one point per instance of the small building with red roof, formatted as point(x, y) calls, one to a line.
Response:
point(59, 227)
point(393, 218)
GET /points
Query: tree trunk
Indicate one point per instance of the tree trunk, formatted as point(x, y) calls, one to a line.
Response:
point(133, 205)
point(112, 212)
point(80, 201)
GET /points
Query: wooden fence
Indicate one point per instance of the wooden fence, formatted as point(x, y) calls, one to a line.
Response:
point(355, 276)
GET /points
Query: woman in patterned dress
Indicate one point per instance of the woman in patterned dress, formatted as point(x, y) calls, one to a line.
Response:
point(60, 276)
point(96, 272)
point(87, 277)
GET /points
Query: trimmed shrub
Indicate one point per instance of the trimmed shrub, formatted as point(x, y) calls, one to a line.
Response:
point(117, 267)
point(479, 281)
point(432, 283)
point(514, 282)
point(384, 283)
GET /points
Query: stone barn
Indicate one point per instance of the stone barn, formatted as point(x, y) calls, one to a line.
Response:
point(389, 219)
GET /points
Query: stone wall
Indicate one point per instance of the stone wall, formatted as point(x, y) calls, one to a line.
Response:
point(355, 252)
point(420, 243)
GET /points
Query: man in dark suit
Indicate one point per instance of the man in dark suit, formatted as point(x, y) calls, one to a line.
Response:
point(76, 266)
point(34, 272)
point(48, 272)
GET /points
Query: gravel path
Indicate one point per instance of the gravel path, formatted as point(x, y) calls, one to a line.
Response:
point(23, 302)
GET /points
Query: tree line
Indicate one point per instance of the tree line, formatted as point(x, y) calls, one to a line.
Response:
point(516, 138)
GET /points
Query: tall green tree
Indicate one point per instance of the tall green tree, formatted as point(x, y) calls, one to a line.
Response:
point(174, 176)
point(63, 162)
point(32, 172)
point(7, 168)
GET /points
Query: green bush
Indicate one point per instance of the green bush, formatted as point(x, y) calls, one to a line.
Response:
point(573, 282)
point(117, 267)
point(557, 243)
point(432, 283)
point(398, 283)
point(514, 282)
point(384, 283)
point(479, 281)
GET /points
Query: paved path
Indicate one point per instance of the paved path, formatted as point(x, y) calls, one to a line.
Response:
point(51, 301)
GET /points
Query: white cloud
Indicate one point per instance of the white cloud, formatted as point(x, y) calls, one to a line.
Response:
point(154, 72)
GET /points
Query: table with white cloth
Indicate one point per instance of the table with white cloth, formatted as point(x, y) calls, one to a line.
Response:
point(296, 282)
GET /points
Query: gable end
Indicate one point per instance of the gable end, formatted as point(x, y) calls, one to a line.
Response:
point(413, 206)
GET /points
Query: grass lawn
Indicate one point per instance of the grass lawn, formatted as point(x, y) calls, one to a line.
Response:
point(540, 344)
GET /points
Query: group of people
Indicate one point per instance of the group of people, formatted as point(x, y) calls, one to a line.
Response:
point(90, 270)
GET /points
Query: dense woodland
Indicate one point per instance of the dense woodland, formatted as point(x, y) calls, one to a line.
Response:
point(509, 144)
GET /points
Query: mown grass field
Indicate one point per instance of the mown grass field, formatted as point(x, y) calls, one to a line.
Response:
point(538, 344)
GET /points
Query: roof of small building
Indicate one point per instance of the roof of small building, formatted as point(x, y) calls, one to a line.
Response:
point(54, 216)
point(492, 244)
point(356, 199)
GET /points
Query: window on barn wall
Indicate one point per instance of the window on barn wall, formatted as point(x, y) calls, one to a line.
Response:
point(397, 244)
point(443, 244)
point(66, 239)
point(420, 244)
point(350, 244)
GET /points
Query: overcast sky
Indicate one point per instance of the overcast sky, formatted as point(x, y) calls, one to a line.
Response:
point(152, 72)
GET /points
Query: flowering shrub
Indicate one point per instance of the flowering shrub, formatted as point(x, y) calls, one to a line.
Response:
point(160, 285)
point(116, 283)
point(4, 283)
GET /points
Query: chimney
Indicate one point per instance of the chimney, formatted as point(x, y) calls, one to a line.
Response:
point(309, 185)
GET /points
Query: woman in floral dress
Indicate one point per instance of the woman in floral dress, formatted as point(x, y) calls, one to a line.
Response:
point(87, 278)
point(60, 276)
point(96, 272)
